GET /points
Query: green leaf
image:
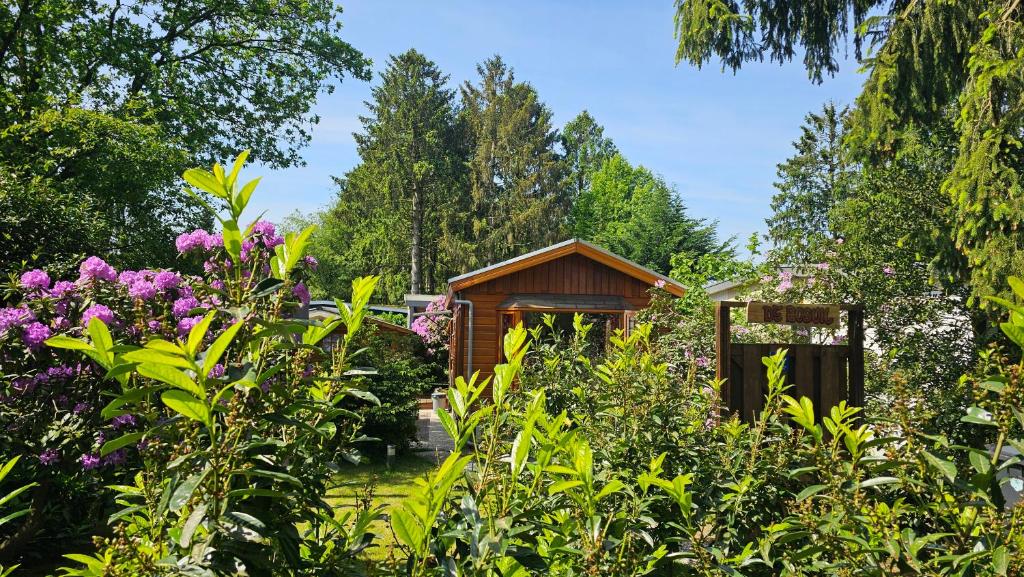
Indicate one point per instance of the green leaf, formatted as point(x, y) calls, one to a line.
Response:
point(980, 461)
point(267, 287)
point(191, 524)
point(232, 240)
point(564, 486)
point(122, 441)
point(947, 468)
point(407, 529)
point(173, 377)
point(978, 416)
point(236, 168)
point(1015, 332)
point(205, 181)
point(156, 357)
point(879, 481)
point(1017, 285)
point(246, 193)
point(187, 406)
point(195, 336)
point(183, 492)
point(216, 350)
point(245, 520)
point(1000, 560)
point(100, 334)
point(63, 342)
point(809, 491)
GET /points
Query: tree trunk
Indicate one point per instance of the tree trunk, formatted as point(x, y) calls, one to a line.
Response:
point(416, 272)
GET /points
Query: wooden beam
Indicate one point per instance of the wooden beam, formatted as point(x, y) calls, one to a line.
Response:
point(723, 360)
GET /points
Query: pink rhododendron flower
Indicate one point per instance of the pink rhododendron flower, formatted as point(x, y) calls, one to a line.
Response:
point(89, 461)
point(62, 288)
point(49, 457)
point(94, 268)
point(35, 280)
point(98, 311)
point(185, 325)
point(182, 306)
point(34, 335)
point(142, 289)
point(15, 317)
point(302, 293)
point(166, 280)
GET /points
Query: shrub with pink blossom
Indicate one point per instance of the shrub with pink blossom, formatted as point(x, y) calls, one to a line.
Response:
point(434, 328)
point(52, 401)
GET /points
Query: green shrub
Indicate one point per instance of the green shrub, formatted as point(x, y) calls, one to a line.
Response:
point(239, 424)
point(613, 484)
point(402, 376)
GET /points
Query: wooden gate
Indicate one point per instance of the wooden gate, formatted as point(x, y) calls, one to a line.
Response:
point(826, 374)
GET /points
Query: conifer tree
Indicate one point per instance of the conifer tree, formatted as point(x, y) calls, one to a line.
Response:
point(811, 183)
point(927, 62)
point(398, 211)
point(584, 149)
point(514, 170)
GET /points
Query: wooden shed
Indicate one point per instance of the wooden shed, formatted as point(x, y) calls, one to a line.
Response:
point(570, 277)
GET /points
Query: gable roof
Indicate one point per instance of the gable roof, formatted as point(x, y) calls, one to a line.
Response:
point(555, 251)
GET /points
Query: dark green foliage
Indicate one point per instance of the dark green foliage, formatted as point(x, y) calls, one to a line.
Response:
point(930, 63)
point(105, 186)
point(634, 213)
point(216, 75)
point(585, 149)
point(399, 212)
point(811, 182)
point(403, 376)
point(514, 168)
point(42, 227)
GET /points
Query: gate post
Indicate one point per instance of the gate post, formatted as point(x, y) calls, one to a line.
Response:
point(723, 337)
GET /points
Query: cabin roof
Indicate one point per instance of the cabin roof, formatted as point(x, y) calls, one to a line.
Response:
point(565, 248)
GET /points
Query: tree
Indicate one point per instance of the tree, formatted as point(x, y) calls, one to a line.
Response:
point(410, 139)
point(100, 185)
point(399, 213)
point(633, 213)
point(811, 183)
point(584, 149)
point(217, 75)
point(928, 62)
point(514, 170)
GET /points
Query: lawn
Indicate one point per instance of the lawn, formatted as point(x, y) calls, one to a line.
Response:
point(375, 483)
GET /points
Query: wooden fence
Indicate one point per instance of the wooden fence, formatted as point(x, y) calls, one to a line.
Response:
point(826, 374)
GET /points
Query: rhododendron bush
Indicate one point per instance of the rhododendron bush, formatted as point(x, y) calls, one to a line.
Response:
point(158, 381)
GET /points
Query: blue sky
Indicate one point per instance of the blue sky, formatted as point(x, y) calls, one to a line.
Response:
point(713, 135)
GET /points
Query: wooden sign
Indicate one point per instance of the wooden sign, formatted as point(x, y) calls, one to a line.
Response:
point(800, 315)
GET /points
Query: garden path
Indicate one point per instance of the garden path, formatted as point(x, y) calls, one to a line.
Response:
point(434, 442)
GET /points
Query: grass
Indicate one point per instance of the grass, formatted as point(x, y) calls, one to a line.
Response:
point(375, 483)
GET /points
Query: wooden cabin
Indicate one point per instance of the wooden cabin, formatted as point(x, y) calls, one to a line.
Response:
point(570, 277)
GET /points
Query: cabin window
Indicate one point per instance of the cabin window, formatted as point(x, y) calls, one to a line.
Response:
point(605, 325)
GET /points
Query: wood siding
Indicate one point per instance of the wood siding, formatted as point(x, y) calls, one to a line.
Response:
point(573, 274)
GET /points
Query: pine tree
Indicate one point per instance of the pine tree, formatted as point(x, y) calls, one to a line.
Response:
point(929, 61)
point(584, 149)
point(513, 167)
point(811, 183)
point(398, 209)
